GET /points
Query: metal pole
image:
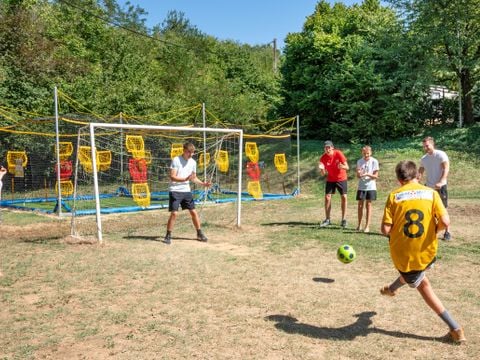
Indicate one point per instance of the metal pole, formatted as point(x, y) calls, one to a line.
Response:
point(275, 55)
point(95, 183)
point(298, 153)
point(121, 148)
point(57, 146)
point(204, 119)
point(240, 171)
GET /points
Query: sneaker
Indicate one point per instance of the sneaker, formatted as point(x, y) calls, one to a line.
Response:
point(343, 223)
point(447, 236)
point(201, 237)
point(325, 223)
point(458, 336)
point(387, 292)
point(168, 239)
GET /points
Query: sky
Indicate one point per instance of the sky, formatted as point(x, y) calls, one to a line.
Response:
point(253, 22)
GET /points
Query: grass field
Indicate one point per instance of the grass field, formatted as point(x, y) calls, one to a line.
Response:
point(272, 289)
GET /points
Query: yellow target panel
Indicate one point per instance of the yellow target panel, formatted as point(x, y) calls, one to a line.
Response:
point(280, 162)
point(66, 187)
point(134, 143)
point(254, 189)
point(221, 160)
point(65, 149)
point(203, 159)
point(251, 150)
point(104, 159)
point(16, 158)
point(141, 194)
point(176, 150)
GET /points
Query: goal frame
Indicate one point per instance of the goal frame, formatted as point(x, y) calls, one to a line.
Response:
point(92, 127)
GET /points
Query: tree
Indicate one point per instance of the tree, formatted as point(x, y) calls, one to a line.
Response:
point(449, 31)
point(349, 74)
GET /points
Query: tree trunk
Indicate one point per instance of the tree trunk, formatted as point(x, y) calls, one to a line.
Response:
point(467, 101)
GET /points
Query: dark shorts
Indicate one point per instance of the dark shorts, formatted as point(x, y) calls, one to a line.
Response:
point(177, 199)
point(331, 187)
point(414, 278)
point(444, 195)
point(366, 194)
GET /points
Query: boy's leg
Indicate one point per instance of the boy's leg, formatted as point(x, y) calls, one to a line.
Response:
point(328, 205)
point(456, 332)
point(368, 207)
point(360, 213)
point(344, 210)
point(425, 289)
point(195, 219)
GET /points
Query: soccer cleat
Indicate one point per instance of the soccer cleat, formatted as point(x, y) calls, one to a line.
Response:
point(325, 223)
point(343, 223)
point(387, 292)
point(168, 239)
point(447, 236)
point(201, 237)
point(458, 336)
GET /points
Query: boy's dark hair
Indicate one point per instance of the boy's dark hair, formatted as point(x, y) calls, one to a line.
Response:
point(406, 170)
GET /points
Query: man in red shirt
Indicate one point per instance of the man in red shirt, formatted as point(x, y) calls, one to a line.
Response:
point(335, 165)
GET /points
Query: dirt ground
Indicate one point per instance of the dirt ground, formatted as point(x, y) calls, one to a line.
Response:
point(272, 289)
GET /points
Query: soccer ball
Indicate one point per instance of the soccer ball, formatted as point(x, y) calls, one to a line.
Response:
point(346, 254)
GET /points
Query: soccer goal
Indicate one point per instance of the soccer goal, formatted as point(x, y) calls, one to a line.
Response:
point(122, 168)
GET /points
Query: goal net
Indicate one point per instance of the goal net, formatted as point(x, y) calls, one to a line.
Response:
point(122, 168)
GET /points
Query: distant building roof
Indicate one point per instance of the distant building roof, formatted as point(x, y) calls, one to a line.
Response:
point(442, 92)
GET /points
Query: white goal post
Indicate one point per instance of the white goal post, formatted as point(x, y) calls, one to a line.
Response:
point(119, 127)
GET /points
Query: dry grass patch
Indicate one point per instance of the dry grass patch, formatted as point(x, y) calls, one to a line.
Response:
point(270, 290)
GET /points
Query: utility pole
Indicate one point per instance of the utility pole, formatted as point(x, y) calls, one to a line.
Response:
point(274, 55)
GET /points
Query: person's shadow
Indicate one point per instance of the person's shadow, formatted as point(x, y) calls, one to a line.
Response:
point(361, 327)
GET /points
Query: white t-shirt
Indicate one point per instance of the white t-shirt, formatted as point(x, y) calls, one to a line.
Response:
point(367, 167)
point(184, 168)
point(433, 166)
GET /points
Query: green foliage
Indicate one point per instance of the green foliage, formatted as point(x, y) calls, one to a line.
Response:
point(349, 74)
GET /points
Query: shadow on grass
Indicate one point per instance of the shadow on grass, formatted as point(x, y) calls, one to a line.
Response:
point(361, 327)
point(157, 238)
point(323, 280)
point(143, 237)
point(316, 225)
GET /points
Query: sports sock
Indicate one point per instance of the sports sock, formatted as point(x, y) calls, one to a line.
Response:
point(397, 284)
point(446, 317)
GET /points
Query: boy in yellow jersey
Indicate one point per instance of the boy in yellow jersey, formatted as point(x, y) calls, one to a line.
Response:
point(413, 214)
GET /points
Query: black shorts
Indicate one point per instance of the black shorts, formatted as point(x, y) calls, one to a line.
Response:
point(366, 194)
point(331, 186)
point(414, 278)
point(177, 199)
point(444, 195)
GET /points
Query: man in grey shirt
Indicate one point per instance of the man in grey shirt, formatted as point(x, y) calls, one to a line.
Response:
point(437, 166)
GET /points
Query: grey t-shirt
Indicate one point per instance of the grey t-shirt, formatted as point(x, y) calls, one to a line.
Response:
point(433, 166)
point(367, 167)
point(184, 168)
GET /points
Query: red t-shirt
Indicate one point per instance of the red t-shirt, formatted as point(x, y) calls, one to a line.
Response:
point(331, 166)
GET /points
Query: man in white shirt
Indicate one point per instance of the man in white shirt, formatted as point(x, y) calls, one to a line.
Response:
point(437, 166)
point(183, 170)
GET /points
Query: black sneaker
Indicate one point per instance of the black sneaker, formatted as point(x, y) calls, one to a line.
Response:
point(168, 239)
point(344, 223)
point(201, 237)
point(447, 236)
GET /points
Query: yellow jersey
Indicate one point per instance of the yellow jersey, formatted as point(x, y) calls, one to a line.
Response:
point(413, 210)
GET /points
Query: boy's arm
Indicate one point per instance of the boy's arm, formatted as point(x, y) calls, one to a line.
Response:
point(386, 228)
